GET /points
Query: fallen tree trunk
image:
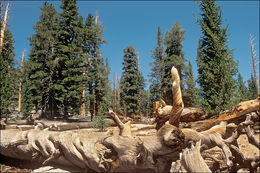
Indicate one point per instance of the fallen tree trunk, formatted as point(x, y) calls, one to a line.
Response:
point(95, 151)
point(233, 115)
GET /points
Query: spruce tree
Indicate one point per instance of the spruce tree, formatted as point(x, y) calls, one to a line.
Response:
point(252, 91)
point(7, 75)
point(242, 93)
point(42, 63)
point(191, 93)
point(216, 66)
point(93, 39)
point(156, 71)
point(70, 59)
point(103, 84)
point(89, 39)
point(174, 57)
point(130, 83)
point(98, 66)
point(27, 90)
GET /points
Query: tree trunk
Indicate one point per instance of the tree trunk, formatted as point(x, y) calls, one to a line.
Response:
point(239, 111)
point(96, 151)
point(253, 62)
point(3, 25)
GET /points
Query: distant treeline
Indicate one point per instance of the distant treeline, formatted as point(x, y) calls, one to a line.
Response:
point(67, 75)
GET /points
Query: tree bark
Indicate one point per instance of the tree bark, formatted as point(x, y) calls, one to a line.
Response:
point(171, 113)
point(239, 111)
point(3, 25)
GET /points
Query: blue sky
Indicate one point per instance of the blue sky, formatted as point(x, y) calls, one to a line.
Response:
point(135, 23)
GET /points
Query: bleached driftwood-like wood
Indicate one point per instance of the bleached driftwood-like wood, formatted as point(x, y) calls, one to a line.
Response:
point(97, 151)
point(239, 111)
point(239, 160)
point(125, 129)
point(3, 26)
point(177, 103)
point(171, 112)
point(190, 161)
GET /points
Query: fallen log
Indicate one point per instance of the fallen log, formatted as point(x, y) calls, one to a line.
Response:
point(238, 113)
point(95, 151)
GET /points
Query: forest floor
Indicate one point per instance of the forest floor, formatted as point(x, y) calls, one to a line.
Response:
point(14, 165)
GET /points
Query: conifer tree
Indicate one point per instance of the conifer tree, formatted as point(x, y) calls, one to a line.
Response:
point(252, 91)
point(174, 57)
point(95, 65)
point(191, 93)
point(216, 66)
point(7, 75)
point(27, 92)
point(130, 82)
point(242, 93)
point(103, 86)
point(70, 60)
point(89, 39)
point(156, 71)
point(98, 65)
point(42, 63)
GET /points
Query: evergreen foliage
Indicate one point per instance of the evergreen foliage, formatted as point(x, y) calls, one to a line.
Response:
point(89, 51)
point(191, 92)
point(174, 57)
point(27, 92)
point(97, 72)
point(156, 71)
point(39, 76)
point(64, 61)
point(252, 91)
point(69, 56)
point(242, 92)
point(8, 76)
point(130, 83)
point(100, 122)
point(216, 66)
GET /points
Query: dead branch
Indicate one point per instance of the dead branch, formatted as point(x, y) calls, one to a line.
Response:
point(210, 138)
point(250, 133)
point(190, 161)
point(125, 129)
point(3, 25)
point(173, 112)
point(177, 105)
point(243, 162)
point(239, 160)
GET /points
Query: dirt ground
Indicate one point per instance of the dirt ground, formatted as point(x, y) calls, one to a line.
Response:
point(8, 165)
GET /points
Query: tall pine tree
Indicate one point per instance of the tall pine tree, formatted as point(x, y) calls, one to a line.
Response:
point(191, 93)
point(242, 93)
point(216, 66)
point(93, 39)
point(70, 60)
point(130, 83)
point(38, 82)
point(252, 91)
point(156, 71)
point(174, 57)
point(7, 75)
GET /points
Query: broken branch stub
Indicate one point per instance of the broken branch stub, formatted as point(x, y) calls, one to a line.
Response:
point(177, 105)
point(124, 129)
point(170, 112)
